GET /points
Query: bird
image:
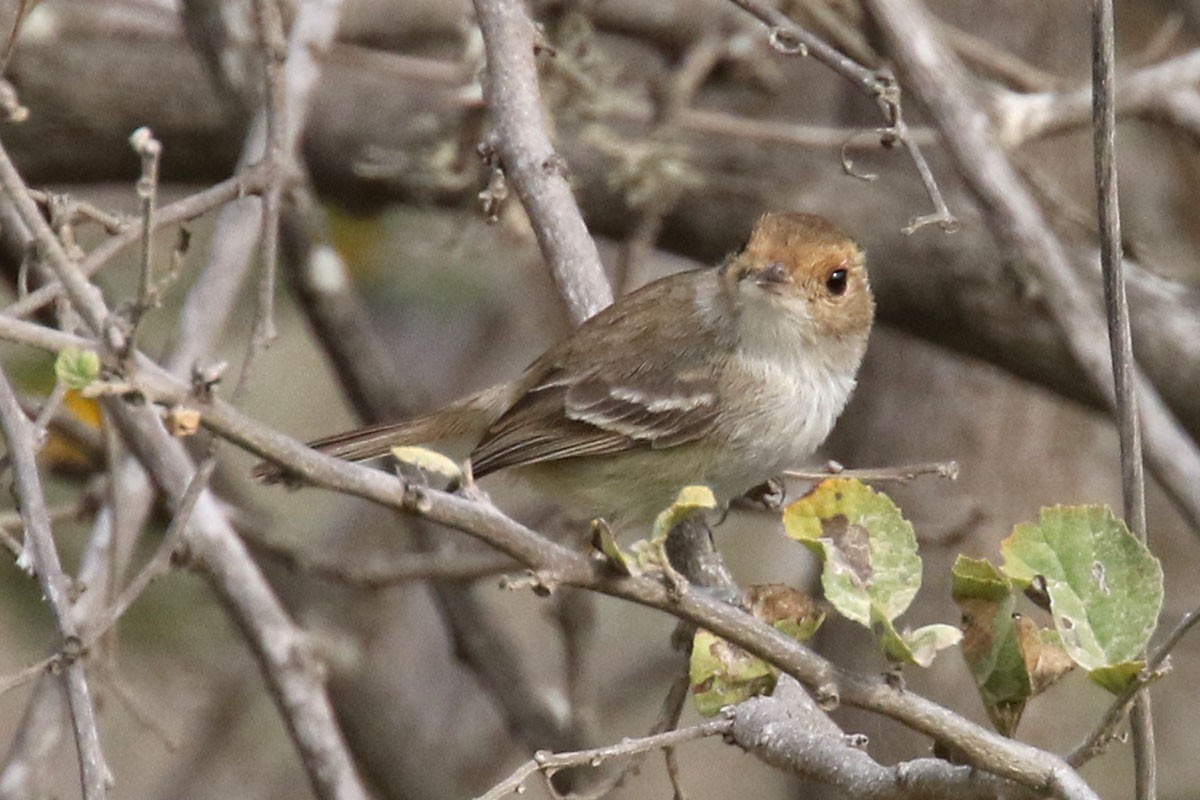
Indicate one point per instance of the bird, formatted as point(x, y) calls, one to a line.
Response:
point(722, 377)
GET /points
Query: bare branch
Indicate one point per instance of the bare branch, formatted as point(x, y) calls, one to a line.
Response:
point(278, 154)
point(39, 544)
point(903, 474)
point(249, 181)
point(791, 39)
point(149, 150)
point(160, 563)
point(1133, 481)
point(207, 307)
point(788, 730)
point(549, 763)
point(1148, 90)
point(1106, 729)
point(535, 170)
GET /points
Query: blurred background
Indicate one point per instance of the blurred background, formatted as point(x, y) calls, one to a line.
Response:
point(680, 126)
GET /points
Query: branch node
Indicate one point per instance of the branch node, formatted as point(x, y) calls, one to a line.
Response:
point(416, 498)
point(540, 582)
point(11, 109)
point(786, 42)
point(859, 741)
point(72, 650)
point(827, 695)
point(554, 164)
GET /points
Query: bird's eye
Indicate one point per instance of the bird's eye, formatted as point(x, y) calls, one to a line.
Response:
point(836, 282)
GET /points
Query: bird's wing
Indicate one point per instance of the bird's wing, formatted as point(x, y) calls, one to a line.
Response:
point(566, 416)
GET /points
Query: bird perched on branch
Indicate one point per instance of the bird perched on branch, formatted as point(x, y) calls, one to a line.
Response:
point(723, 377)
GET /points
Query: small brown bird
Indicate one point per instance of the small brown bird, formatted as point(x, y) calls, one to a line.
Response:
point(723, 377)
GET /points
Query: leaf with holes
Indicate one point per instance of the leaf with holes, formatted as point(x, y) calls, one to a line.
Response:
point(1010, 658)
point(871, 569)
point(1105, 587)
point(722, 674)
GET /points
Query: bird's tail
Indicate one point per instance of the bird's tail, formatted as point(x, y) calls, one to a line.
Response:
point(467, 418)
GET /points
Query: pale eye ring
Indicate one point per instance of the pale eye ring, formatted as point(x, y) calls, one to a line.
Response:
point(836, 282)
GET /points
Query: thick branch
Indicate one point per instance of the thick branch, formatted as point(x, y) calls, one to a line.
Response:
point(531, 165)
point(787, 730)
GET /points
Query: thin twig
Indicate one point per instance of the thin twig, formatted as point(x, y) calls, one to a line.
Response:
point(86, 299)
point(278, 156)
point(786, 35)
point(1133, 481)
point(39, 542)
point(21, 677)
point(160, 563)
point(247, 182)
point(207, 307)
point(112, 223)
point(549, 763)
point(11, 520)
point(791, 39)
point(1106, 729)
point(133, 707)
point(149, 150)
point(903, 474)
point(48, 410)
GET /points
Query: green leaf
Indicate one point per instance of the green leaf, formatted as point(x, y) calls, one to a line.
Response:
point(1117, 677)
point(690, 500)
point(77, 368)
point(1105, 587)
point(918, 646)
point(871, 569)
point(1010, 658)
point(605, 543)
point(978, 578)
point(926, 642)
point(428, 461)
point(722, 674)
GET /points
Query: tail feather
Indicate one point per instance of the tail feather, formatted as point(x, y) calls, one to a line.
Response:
point(468, 417)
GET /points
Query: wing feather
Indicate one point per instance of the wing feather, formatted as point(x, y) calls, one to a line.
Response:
point(589, 416)
point(587, 397)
